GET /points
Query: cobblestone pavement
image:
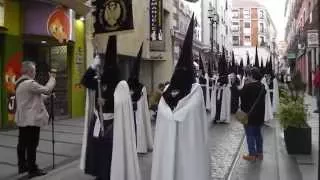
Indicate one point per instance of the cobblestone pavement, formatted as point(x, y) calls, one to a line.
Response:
point(224, 142)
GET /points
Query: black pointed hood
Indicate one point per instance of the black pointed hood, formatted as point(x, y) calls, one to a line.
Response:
point(133, 81)
point(201, 65)
point(111, 72)
point(233, 63)
point(184, 75)
point(134, 75)
point(256, 60)
point(223, 69)
point(248, 59)
point(211, 65)
point(241, 71)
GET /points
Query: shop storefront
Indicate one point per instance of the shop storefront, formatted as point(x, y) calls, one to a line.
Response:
point(52, 36)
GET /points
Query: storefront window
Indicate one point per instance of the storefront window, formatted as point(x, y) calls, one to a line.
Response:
point(1, 13)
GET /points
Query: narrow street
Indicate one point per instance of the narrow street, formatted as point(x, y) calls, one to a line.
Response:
point(224, 144)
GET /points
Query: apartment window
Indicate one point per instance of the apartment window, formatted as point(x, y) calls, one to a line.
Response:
point(235, 13)
point(261, 27)
point(235, 27)
point(247, 41)
point(261, 14)
point(236, 40)
point(246, 24)
point(246, 13)
point(262, 41)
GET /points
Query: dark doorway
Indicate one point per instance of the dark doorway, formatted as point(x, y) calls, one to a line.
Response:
point(47, 56)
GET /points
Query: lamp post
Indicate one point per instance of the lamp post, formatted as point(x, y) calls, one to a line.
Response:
point(214, 19)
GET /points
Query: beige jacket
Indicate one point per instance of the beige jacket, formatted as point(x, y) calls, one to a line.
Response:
point(31, 110)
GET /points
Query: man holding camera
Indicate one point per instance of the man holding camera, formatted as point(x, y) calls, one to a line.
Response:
point(31, 114)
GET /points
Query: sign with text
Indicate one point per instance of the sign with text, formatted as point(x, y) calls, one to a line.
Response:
point(156, 25)
point(313, 38)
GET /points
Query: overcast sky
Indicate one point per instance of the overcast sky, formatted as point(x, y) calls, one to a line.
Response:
point(274, 7)
point(276, 11)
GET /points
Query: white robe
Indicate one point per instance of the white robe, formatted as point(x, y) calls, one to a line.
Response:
point(208, 106)
point(268, 114)
point(124, 164)
point(225, 113)
point(275, 98)
point(143, 122)
point(180, 150)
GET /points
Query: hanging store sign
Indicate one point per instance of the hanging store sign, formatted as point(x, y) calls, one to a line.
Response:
point(313, 38)
point(156, 25)
point(45, 19)
point(112, 16)
point(156, 20)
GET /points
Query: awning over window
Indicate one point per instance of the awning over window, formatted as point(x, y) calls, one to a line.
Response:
point(77, 5)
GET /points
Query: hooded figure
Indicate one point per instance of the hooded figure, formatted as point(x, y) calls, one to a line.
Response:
point(180, 149)
point(256, 60)
point(141, 111)
point(204, 82)
point(268, 115)
point(221, 95)
point(110, 154)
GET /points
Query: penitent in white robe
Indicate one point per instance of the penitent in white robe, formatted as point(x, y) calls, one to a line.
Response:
point(124, 163)
point(143, 122)
point(275, 97)
point(208, 106)
point(268, 114)
point(225, 113)
point(180, 149)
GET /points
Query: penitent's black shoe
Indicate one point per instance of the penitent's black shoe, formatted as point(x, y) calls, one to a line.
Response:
point(36, 173)
point(22, 169)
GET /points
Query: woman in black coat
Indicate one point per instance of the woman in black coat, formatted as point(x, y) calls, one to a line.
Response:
point(253, 96)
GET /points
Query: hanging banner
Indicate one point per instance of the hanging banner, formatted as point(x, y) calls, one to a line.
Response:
point(112, 16)
point(156, 25)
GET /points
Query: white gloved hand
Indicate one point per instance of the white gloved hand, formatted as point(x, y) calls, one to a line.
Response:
point(96, 62)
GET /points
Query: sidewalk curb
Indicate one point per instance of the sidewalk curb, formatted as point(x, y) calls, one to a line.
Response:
point(60, 169)
point(235, 160)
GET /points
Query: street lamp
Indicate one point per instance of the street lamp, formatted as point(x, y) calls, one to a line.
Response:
point(214, 19)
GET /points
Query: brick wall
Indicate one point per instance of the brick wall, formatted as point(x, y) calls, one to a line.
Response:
point(254, 32)
point(254, 13)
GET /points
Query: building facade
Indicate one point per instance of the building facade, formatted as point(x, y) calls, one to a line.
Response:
point(252, 26)
point(28, 32)
point(184, 16)
point(302, 37)
point(220, 30)
point(157, 64)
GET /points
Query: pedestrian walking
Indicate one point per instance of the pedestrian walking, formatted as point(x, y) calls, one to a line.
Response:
point(31, 114)
point(316, 83)
point(253, 102)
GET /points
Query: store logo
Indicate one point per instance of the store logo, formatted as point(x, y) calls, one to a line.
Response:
point(58, 25)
